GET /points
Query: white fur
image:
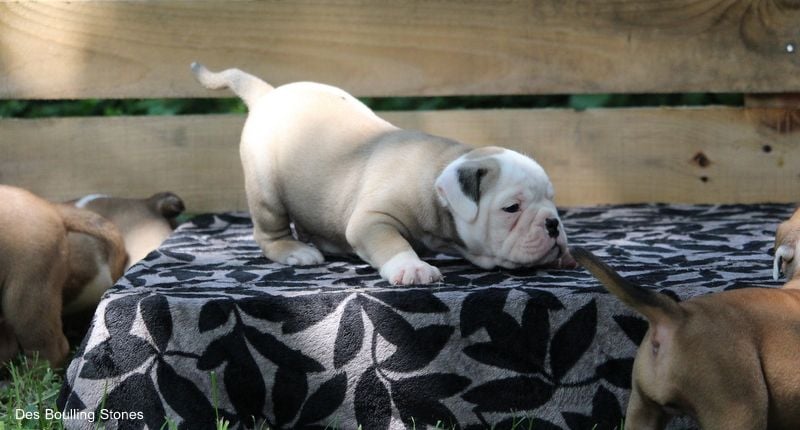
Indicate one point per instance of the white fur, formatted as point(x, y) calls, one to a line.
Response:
point(781, 264)
point(85, 200)
point(92, 292)
point(486, 229)
point(406, 268)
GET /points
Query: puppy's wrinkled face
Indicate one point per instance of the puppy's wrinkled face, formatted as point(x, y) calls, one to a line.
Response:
point(502, 204)
point(786, 247)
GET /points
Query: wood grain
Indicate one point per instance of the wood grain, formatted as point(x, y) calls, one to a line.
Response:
point(121, 49)
point(684, 155)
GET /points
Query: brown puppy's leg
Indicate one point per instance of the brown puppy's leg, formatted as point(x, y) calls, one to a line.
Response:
point(9, 348)
point(32, 305)
point(643, 413)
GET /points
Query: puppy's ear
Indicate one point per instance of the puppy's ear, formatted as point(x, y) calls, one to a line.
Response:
point(167, 204)
point(462, 183)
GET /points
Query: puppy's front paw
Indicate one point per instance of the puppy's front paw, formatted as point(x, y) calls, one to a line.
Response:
point(407, 269)
point(305, 256)
point(294, 253)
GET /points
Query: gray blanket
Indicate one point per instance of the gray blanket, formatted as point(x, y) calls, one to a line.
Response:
point(206, 328)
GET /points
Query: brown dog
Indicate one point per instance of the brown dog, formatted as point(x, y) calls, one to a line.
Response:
point(35, 265)
point(728, 359)
point(143, 223)
point(61, 258)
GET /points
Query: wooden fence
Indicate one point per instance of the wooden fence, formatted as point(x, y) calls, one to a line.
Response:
point(132, 49)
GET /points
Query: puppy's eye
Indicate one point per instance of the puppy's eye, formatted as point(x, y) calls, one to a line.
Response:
point(511, 209)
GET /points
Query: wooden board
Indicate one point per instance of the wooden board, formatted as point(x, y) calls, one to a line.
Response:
point(58, 49)
point(690, 155)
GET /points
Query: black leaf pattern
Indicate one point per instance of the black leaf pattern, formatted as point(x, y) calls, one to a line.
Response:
point(214, 314)
point(242, 276)
point(116, 357)
point(415, 348)
point(424, 345)
point(138, 390)
point(519, 393)
point(536, 331)
point(296, 313)
point(120, 314)
point(606, 410)
point(544, 299)
point(634, 327)
point(243, 381)
point(288, 393)
point(272, 349)
point(478, 309)
point(512, 354)
point(183, 396)
point(418, 398)
point(350, 336)
point(416, 301)
point(324, 402)
point(158, 320)
point(572, 339)
point(372, 404)
point(617, 371)
point(215, 354)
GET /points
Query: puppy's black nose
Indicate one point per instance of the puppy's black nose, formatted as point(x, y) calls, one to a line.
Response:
point(552, 226)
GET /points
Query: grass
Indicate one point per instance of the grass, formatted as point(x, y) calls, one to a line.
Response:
point(29, 390)
point(29, 394)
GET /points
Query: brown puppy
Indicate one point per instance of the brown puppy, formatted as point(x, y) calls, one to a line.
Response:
point(728, 359)
point(143, 223)
point(35, 265)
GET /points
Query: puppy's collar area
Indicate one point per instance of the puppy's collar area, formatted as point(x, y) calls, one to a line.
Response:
point(85, 200)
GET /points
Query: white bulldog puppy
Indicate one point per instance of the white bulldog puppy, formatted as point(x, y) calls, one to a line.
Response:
point(351, 182)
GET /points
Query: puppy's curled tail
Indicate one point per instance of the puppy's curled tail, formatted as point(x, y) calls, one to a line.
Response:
point(655, 306)
point(248, 87)
point(87, 222)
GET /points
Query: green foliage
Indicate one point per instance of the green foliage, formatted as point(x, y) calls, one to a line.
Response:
point(33, 389)
point(95, 107)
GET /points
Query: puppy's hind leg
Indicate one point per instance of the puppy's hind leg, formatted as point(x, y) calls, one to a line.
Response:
point(32, 305)
point(643, 413)
point(9, 348)
point(271, 228)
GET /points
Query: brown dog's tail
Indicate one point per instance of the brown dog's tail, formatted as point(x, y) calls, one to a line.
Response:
point(87, 222)
point(248, 87)
point(654, 306)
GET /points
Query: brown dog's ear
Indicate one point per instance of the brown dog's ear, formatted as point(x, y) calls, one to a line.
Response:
point(462, 183)
point(167, 204)
point(656, 307)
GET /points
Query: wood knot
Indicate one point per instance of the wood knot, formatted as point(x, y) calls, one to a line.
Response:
point(701, 160)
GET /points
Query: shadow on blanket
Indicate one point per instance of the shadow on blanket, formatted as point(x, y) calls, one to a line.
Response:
point(334, 346)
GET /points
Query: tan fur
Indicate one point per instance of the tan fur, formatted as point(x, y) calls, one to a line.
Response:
point(34, 267)
point(144, 223)
point(56, 257)
point(351, 182)
point(728, 359)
